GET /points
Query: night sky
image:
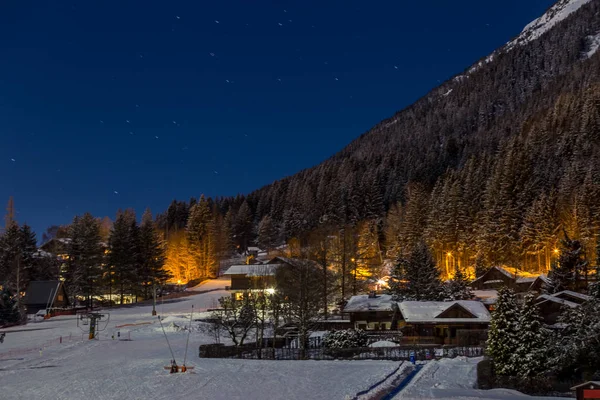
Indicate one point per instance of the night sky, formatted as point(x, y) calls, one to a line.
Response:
point(116, 104)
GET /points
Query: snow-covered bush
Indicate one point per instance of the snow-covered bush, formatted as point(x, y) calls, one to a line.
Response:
point(348, 339)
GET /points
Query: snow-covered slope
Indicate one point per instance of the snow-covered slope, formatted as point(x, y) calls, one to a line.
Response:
point(558, 12)
point(536, 28)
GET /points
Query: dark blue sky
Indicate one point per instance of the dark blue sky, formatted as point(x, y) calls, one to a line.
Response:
point(116, 104)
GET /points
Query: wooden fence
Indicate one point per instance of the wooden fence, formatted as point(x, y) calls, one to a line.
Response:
point(363, 353)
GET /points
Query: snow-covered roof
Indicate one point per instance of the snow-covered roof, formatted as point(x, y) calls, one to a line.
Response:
point(382, 302)
point(493, 281)
point(529, 279)
point(594, 383)
point(548, 298)
point(253, 249)
point(430, 311)
point(487, 296)
point(42, 254)
point(253, 270)
point(570, 293)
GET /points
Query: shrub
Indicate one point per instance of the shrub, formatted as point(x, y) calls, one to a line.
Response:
point(348, 339)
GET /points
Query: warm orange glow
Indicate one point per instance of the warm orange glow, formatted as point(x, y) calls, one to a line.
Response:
point(449, 254)
point(556, 251)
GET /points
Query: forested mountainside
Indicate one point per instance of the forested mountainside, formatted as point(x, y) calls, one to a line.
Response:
point(494, 164)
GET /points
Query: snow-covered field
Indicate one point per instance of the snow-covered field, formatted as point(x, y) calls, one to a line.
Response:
point(455, 379)
point(120, 369)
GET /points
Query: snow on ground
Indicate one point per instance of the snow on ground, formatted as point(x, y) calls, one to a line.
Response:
point(110, 368)
point(455, 379)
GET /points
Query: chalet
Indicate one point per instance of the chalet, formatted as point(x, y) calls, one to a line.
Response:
point(373, 312)
point(260, 277)
point(461, 322)
point(551, 306)
point(421, 322)
point(540, 283)
point(45, 295)
point(497, 277)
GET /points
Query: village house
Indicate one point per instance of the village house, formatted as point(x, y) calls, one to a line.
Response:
point(45, 295)
point(552, 305)
point(461, 322)
point(497, 277)
point(259, 277)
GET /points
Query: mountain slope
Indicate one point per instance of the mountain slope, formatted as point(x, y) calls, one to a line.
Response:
point(474, 114)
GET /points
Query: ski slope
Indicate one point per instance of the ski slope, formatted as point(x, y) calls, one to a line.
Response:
point(101, 369)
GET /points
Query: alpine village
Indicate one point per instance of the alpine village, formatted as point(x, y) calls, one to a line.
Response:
point(466, 225)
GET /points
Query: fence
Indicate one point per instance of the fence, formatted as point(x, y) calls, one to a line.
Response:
point(363, 353)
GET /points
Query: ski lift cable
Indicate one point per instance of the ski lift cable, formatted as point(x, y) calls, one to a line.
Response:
point(168, 344)
point(188, 336)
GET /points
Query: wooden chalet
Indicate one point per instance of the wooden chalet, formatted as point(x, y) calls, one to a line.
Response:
point(462, 322)
point(551, 306)
point(260, 277)
point(497, 277)
point(45, 295)
point(373, 312)
point(421, 322)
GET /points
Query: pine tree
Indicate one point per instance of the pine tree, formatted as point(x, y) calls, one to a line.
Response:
point(152, 255)
point(9, 311)
point(503, 336)
point(243, 226)
point(417, 278)
point(457, 288)
point(27, 248)
point(9, 252)
point(86, 257)
point(480, 267)
point(123, 257)
point(267, 233)
point(198, 235)
point(567, 271)
point(531, 355)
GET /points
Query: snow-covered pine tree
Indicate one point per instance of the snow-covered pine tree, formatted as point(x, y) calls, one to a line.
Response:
point(457, 288)
point(566, 272)
point(417, 277)
point(531, 355)
point(577, 348)
point(503, 337)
